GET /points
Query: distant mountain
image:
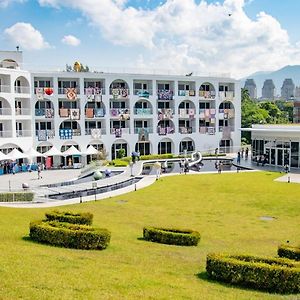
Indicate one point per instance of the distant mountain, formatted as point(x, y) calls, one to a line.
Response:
point(277, 76)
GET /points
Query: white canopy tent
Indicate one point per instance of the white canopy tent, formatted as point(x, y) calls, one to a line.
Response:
point(53, 152)
point(91, 150)
point(71, 151)
point(16, 154)
point(3, 156)
point(33, 153)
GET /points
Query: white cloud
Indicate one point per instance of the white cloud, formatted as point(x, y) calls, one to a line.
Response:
point(26, 36)
point(5, 3)
point(71, 40)
point(187, 36)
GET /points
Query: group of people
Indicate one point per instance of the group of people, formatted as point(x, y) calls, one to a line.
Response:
point(241, 154)
point(184, 166)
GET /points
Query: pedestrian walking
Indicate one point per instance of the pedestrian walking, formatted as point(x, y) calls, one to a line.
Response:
point(39, 170)
point(238, 158)
point(246, 153)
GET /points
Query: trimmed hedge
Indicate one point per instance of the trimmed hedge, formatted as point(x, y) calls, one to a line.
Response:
point(171, 236)
point(16, 197)
point(69, 217)
point(270, 274)
point(69, 235)
point(156, 156)
point(288, 251)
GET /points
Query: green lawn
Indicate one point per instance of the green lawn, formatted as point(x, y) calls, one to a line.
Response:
point(224, 208)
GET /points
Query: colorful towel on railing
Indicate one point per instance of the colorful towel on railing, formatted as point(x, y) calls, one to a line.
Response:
point(164, 95)
point(71, 93)
point(99, 112)
point(89, 113)
point(226, 132)
point(143, 94)
point(48, 91)
point(183, 130)
point(64, 112)
point(50, 133)
point(124, 116)
point(118, 132)
point(191, 92)
point(211, 130)
point(182, 112)
point(202, 130)
point(213, 120)
point(75, 114)
point(49, 113)
point(119, 93)
point(65, 134)
point(42, 135)
point(170, 130)
point(231, 113)
point(39, 112)
point(212, 111)
point(96, 133)
point(89, 92)
point(39, 93)
point(143, 134)
point(202, 115)
point(191, 112)
point(162, 131)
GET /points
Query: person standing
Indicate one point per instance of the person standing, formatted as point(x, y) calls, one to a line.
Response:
point(220, 167)
point(239, 158)
point(39, 170)
point(246, 153)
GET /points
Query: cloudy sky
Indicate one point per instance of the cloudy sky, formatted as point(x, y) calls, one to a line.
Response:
point(238, 37)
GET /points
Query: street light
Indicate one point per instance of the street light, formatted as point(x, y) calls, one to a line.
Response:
point(131, 168)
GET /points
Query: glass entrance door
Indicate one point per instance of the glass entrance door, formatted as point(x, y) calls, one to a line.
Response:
point(286, 157)
point(279, 157)
point(272, 158)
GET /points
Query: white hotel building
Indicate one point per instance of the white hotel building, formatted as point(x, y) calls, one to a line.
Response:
point(137, 112)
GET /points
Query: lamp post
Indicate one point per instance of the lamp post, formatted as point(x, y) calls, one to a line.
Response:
point(131, 169)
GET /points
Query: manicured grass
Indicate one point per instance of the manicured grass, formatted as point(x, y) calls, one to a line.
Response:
point(224, 208)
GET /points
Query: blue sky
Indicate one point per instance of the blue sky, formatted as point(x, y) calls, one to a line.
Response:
point(179, 35)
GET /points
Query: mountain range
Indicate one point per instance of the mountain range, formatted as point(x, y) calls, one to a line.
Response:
point(277, 76)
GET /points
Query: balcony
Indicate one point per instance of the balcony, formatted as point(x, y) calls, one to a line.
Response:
point(185, 130)
point(94, 91)
point(72, 113)
point(226, 113)
point(44, 135)
point(45, 112)
point(165, 95)
point(207, 94)
point(118, 132)
point(93, 113)
point(96, 133)
point(226, 96)
point(142, 93)
point(226, 129)
point(4, 89)
point(5, 134)
point(143, 111)
point(207, 130)
point(68, 133)
point(22, 89)
point(187, 113)
point(40, 92)
point(5, 111)
point(119, 93)
point(139, 130)
point(165, 130)
point(22, 111)
point(165, 113)
point(121, 113)
point(70, 93)
point(23, 133)
point(185, 93)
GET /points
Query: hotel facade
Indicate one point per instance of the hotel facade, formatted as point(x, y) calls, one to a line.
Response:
point(144, 113)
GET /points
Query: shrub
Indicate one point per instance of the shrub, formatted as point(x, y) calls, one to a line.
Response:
point(288, 251)
point(171, 236)
point(271, 274)
point(69, 235)
point(16, 197)
point(156, 156)
point(119, 163)
point(69, 217)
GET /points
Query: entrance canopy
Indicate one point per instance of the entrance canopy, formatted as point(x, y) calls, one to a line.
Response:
point(71, 151)
point(16, 154)
point(91, 150)
point(33, 153)
point(3, 156)
point(53, 152)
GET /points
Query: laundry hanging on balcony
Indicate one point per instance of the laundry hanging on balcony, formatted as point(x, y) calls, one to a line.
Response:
point(71, 93)
point(99, 112)
point(96, 133)
point(39, 93)
point(191, 112)
point(143, 135)
point(49, 113)
point(89, 113)
point(65, 134)
point(50, 133)
point(42, 135)
point(75, 114)
point(48, 91)
point(118, 132)
point(64, 112)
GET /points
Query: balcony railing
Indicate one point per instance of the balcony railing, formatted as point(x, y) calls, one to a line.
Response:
point(71, 113)
point(119, 93)
point(207, 94)
point(91, 113)
point(138, 130)
point(43, 91)
point(22, 111)
point(5, 134)
point(143, 111)
point(94, 91)
point(165, 113)
point(187, 113)
point(95, 132)
point(185, 130)
point(121, 113)
point(68, 133)
point(23, 133)
point(22, 89)
point(142, 93)
point(207, 113)
point(165, 130)
point(118, 132)
point(189, 93)
point(229, 96)
point(226, 113)
point(207, 129)
point(5, 111)
point(165, 94)
point(44, 112)
point(4, 89)
point(64, 91)
point(44, 135)
point(225, 129)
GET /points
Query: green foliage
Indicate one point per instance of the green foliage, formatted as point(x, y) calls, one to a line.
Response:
point(171, 236)
point(16, 197)
point(69, 235)
point(271, 274)
point(156, 156)
point(119, 163)
point(69, 217)
point(121, 153)
point(288, 251)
